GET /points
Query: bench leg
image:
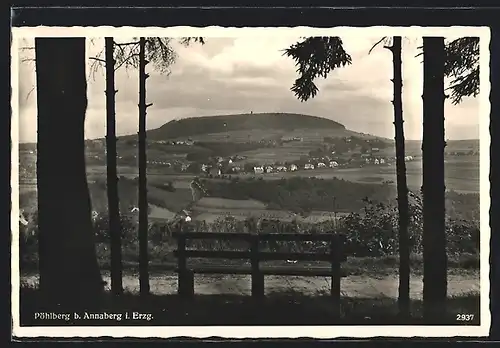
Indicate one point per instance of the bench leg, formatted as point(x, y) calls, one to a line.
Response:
point(186, 284)
point(335, 293)
point(257, 285)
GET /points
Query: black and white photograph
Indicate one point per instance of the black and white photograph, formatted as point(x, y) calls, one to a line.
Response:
point(250, 182)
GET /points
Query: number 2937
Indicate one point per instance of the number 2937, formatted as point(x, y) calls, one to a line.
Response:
point(465, 317)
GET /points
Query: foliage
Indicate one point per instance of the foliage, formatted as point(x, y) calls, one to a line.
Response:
point(159, 52)
point(318, 56)
point(372, 232)
point(301, 194)
point(462, 64)
point(315, 57)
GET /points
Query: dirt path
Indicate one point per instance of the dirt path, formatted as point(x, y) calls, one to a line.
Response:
point(351, 286)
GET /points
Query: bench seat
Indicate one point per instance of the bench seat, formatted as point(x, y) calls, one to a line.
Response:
point(265, 270)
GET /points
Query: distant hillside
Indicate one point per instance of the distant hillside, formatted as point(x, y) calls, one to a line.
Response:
point(243, 122)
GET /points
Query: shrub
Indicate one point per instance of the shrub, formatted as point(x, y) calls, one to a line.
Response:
point(371, 232)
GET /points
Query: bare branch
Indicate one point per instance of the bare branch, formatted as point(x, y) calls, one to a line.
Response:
point(376, 44)
point(98, 59)
point(123, 44)
point(29, 93)
point(126, 60)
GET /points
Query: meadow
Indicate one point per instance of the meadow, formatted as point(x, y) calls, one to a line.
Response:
point(461, 174)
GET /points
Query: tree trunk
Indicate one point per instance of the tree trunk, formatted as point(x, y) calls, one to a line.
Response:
point(69, 272)
point(402, 187)
point(112, 177)
point(143, 193)
point(494, 186)
point(433, 188)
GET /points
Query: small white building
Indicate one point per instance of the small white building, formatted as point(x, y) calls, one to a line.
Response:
point(334, 164)
point(281, 169)
point(382, 161)
point(293, 167)
point(309, 166)
point(321, 165)
point(258, 170)
point(269, 169)
point(376, 161)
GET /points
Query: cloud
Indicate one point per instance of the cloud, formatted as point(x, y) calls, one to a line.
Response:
point(239, 75)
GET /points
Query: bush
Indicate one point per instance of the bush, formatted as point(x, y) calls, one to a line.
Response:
point(372, 232)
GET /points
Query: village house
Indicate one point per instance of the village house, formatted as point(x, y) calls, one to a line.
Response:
point(281, 168)
point(293, 167)
point(382, 161)
point(269, 169)
point(258, 170)
point(309, 166)
point(376, 161)
point(321, 165)
point(334, 164)
point(408, 158)
point(205, 168)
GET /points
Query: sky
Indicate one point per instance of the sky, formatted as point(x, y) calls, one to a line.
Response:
point(235, 75)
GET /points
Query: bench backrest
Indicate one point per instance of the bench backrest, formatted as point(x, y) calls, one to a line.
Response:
point(334, 256)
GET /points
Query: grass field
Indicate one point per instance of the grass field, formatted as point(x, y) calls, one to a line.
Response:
point(461, 174)
point(286, 153)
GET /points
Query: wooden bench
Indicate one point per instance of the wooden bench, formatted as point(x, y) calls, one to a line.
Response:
point(186, 274)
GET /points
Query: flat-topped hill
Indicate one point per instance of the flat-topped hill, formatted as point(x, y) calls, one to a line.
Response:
point(242, 122)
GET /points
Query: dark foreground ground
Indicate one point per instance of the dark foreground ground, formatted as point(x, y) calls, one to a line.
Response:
point(284, 308)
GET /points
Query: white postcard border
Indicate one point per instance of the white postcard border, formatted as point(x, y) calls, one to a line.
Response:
point(326, 332)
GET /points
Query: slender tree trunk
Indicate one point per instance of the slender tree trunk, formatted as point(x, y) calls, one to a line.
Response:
point(112, 177)
point(494, 186)
point(433, 189)
point(69, 272)
point(402, 187)
point(143, 193)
